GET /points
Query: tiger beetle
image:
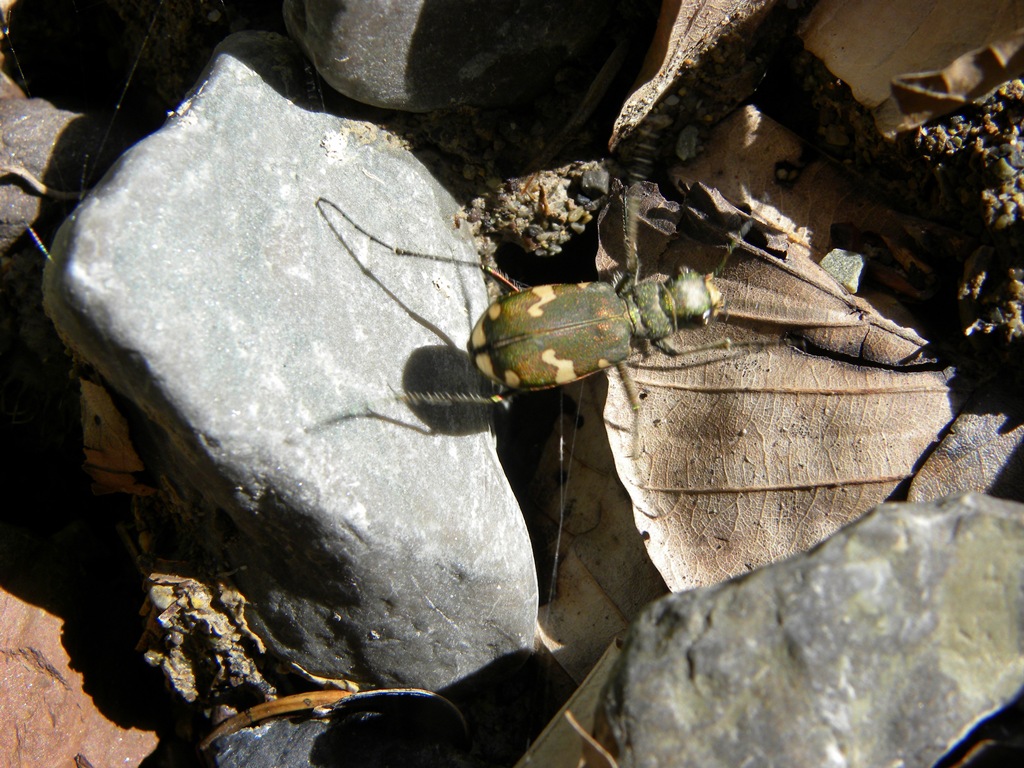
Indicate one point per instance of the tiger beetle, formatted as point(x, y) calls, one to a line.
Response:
point(549, 335)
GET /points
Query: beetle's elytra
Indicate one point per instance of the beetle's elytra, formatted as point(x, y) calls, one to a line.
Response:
point(553, 334)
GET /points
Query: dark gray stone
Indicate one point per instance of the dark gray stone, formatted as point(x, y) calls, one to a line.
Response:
point(221, 279)
point(883, 646)
point(46, 155)
point(430, 54)
point(287, 743)
point(64, 151)
point(372, 729)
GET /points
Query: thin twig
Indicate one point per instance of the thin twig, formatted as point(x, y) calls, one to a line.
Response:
point(43, 189)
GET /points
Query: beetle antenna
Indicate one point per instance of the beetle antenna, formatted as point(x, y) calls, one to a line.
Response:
point(39, 243)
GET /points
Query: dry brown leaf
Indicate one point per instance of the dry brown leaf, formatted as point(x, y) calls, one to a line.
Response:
point(796, 293)
point(687, 30)
point(984, 450)
point(743, 456)
point(747, 460)
point(559, 745)
point(110, 459)
point(594, 753)
point(604, 576)
point(910, 61)
point(917, 98)
point(753, 454)
point(743, 159)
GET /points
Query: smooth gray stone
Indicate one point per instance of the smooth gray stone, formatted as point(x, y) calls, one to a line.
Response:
point(883, 646)
point(429, 54)
point(219, 280)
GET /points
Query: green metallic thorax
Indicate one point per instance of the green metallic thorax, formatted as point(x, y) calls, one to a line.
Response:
point(660, 309)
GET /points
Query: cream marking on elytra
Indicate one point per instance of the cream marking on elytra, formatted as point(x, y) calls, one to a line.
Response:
point(512, 380)
point(546, 294)
point(483, 362)
point(479, 339)
point(564, 370)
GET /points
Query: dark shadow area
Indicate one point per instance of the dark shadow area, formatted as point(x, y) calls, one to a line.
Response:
point(59, 547)
point(60, 550)
point(533, 36)
point(143, 56)
point(466, 146)
point(443, 387)
point(506, 704)
point(399, 735)
point(574, 264)
point(522, 431)
point(61, 53)
point(983, 450)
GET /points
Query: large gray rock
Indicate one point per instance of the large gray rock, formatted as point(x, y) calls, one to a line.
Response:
point(883, 646)
point(430, 54)
point(221, 278)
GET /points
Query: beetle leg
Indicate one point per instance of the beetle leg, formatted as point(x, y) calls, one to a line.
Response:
point(634, 400)
point(630, 214)
point(453, 398)
point(667, 348)
point(501, 277)
point(725, 344)
point(630, 385)
point(624, 282)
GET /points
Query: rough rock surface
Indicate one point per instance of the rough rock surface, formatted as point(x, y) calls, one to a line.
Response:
point(242, 277)
point(883, 646)
point(441, 53)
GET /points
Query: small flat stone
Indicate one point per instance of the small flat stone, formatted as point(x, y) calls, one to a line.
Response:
point(845, 266)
